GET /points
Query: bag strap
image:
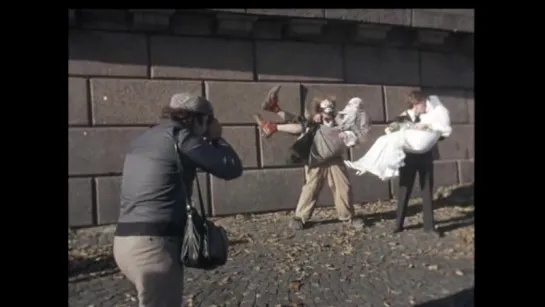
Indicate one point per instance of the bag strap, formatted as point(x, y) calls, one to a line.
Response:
point(189, 201)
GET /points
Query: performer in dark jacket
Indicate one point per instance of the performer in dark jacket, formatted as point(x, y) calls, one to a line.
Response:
point(152, 215)
point(321, 149)
point(421, 164)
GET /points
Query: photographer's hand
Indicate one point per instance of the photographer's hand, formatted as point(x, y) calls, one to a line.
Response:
point(214, 130)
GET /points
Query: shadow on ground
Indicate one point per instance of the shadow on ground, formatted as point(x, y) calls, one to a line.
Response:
point(460, 197)
point(463, 298)
point(104, 263)
point(81, 265)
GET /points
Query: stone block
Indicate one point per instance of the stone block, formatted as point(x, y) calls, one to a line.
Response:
point(236, 102)
point(201, 58)
point(395, 98)
point(370, 94)
point(459, 145)
point(455, 101)
point(303, 27)
point(80, 202)
point(268, 29)
point(237, 25)
point(447, 70)
point(78, 111)
point(337, 32)
point(447, 19)
point(104, 19)
point(257, 191)
point(381, 65)
point(192, 24)
point(274, 150)
point(466, 43)
point(309, 13)
point(360, 150)
point(431, 37)
point(366, 188)
point(151, 19)
point(444, 174)
point(291, 61)
point(108, 191)
point(125, 101)
point(96, 53)
point(244, 141)
point(471, 106)
point(98, 150)
point(467, 171)
point(373, 32)
point(385, 16)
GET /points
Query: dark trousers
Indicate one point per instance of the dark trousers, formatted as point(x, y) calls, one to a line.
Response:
point(421, 164)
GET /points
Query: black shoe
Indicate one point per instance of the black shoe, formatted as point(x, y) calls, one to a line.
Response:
point(398, 230)
point(434, 233)
point(297, 224)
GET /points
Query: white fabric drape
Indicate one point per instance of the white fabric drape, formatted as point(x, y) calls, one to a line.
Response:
point(386, 155)
point(354, 122)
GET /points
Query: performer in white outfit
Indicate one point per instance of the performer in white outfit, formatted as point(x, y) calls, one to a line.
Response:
point(406, 150)
point(403, 136)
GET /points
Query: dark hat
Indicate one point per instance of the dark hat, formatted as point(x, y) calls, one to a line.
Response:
point(188, 102)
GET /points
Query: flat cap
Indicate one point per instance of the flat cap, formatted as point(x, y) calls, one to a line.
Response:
point(188, 102)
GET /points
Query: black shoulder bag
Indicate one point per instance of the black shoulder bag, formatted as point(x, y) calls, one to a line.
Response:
point(299, 151)
point(205, 245)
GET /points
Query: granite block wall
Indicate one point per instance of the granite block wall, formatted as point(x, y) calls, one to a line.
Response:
point(120, 74)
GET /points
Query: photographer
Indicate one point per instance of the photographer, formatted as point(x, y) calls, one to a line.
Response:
point(152, 215)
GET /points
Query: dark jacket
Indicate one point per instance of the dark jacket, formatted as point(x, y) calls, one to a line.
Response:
point(152, 198)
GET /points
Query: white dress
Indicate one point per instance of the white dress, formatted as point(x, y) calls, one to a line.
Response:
point(387, 154)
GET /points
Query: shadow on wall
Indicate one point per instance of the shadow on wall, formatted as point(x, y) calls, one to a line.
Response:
point(464, 298)
point(99, 53)
point(82, 267)
point(129, 54)
point(195, 57)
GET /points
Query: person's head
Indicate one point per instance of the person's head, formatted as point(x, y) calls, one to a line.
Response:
point(326, 108)
point(193, 112)
point(347, 116)
point(417, 101)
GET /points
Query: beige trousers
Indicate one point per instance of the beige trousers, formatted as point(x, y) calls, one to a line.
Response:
point(152, 265)
point(336, 174)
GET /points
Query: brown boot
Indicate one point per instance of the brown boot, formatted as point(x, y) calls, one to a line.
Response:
point(267, 128)
point(271, 102)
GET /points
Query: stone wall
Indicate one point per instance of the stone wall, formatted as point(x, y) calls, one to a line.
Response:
point(123, 67)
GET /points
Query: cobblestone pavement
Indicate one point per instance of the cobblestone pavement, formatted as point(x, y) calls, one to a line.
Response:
point(329, 264)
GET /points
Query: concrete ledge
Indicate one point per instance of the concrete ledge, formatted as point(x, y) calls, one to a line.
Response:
point(373, 26)
point(444, 19)
point(439, 19)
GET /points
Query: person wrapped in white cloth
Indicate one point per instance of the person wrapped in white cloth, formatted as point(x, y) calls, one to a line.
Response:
point(388, 152)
